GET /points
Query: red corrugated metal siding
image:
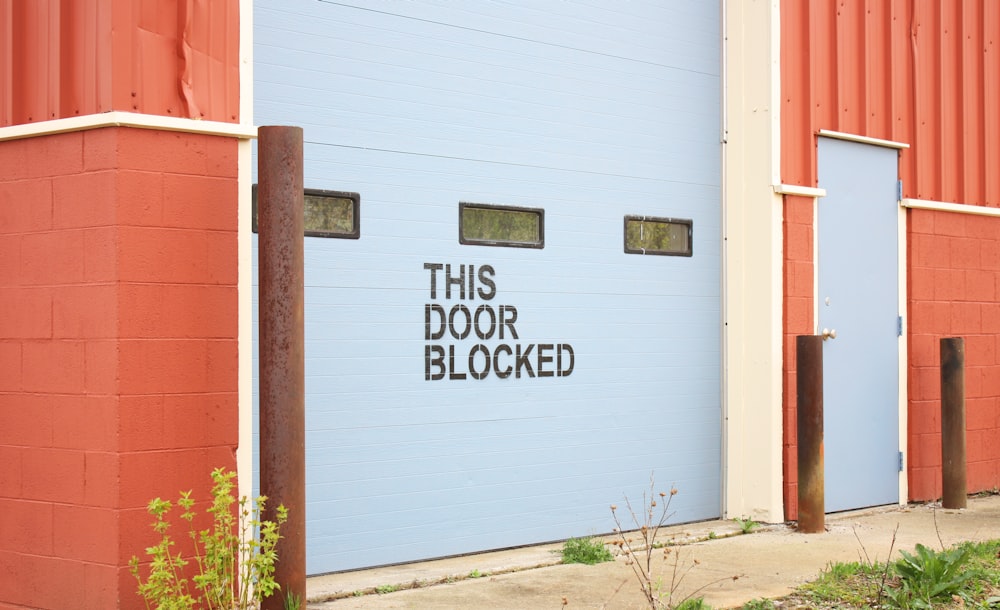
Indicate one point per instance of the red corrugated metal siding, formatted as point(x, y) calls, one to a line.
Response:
point(63, 58)
point(924, 72)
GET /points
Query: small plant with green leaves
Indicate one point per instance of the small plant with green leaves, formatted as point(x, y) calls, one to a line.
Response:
point(234, 568)
point(476, 574)
point(694, 603)
point(588, 551)
point(759, 604)
point(383, 589)
point(293, 601)
point(747, 525)
point(927, 577)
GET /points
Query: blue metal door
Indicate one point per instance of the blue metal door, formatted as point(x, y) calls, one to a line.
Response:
point(858, 303)
point(417, 445)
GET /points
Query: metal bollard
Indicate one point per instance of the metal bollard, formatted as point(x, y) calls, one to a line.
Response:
point(282, 350)
point(809, 386)
point(953, 455)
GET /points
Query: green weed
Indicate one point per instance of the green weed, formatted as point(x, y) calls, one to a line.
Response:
point(293, 602)
point(747, 525)
point(585, 550)
point(234, 559)
point(928, 576)
point(696, 603)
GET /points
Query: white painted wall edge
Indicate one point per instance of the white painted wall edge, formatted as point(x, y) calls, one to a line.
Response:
point(753, 284)
point(127, 119)
point(851, 137)
point(244, 281)
point(801, 191)
point(902, 355)
point(944, 206)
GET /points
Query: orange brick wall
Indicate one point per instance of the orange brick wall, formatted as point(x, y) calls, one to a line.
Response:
point(954, 291)
point(118, 350)
point(798, 320)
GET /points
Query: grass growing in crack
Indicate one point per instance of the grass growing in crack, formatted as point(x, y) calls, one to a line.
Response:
point(383, 589)
point(695, 603)
point(586, 550)
point(293, 601)
point(747, 524)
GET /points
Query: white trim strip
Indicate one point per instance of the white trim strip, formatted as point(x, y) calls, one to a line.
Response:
point(127, 119)
point(802, 191)
point(839, 135)
point(944, 206)
point(902, 386)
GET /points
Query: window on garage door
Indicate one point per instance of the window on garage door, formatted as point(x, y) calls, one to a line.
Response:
point(664, 236)
point(500, 225)
point(326, 213)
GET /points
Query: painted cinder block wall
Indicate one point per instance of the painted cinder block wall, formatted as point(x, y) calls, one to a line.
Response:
point(925, 74)
point(118, 284)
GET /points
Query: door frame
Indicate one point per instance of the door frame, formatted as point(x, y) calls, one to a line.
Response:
point(902, 343)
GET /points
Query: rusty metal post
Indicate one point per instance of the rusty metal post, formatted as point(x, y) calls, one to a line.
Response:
point(282, 349)
point(809, 386)
point(953, 457)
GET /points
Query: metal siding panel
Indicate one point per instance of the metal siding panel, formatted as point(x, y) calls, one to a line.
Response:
point(210, 47)
point(851, 67)
point(951, 92)
point(6, 61)
point(825, 81)
point(66, 58)
point(929, 81)
point(515, 106)
point(972, 115)
point(878, 103)
point(29, 58)
point(902, 86)
point(991, 102)
point(796, 94)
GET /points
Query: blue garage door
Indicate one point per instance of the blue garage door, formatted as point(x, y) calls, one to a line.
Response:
point(461, 396)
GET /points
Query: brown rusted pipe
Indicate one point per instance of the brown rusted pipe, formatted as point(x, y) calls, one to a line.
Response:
point(809, 386)
point(282, 349)
point(953, 423)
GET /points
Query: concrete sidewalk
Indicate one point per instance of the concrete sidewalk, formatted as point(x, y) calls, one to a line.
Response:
point(769, 563)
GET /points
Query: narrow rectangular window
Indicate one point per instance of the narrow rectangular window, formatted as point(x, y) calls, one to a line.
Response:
point(499, 225)
point(665, 236)
point(326, 213)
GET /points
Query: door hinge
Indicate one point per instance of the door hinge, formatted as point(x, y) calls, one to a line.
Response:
point(899, 190)
point(901, 461)
point(899, 326)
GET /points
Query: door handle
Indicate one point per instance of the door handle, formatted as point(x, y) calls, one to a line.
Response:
point(829, 333)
